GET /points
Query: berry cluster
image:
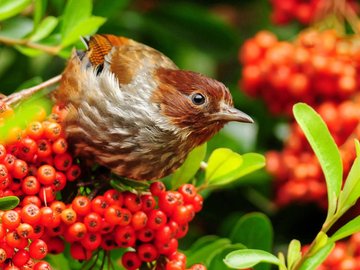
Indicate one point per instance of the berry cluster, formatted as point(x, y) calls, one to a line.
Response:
point(344, 256)
point(303, 11)
point(157, 221)
point(36, 166)
point(296, 171)
point(315, 67)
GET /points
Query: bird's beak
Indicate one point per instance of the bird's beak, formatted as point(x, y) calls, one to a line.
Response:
point(228, 114)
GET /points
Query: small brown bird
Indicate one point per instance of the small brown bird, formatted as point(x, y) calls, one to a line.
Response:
point(132, 110)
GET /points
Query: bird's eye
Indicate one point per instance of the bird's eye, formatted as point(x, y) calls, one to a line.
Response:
point(198, 99)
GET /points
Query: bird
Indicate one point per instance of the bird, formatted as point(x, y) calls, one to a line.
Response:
point(130, 109)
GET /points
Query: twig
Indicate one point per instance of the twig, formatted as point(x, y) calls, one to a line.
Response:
point(15, 97)
point(13, 41)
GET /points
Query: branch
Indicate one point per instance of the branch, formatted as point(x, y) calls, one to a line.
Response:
point(15, 97)
point(13, 41)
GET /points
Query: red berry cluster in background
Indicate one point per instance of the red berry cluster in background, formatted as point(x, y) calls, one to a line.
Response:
point(314, 68)
point(36, 166)
point(303, 11)
point(344, 256)
point(297, 173)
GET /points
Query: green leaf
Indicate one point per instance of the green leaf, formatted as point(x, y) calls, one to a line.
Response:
point(17, 27)
point(282, 264)
point(44, 29)
point(9, 202)
point(205, 253)
point(325, 149)
point(9, 8)
point(320, 241)
point(357, 147)
point(294, 253)
point(75, 12)
point(315, 260)
point(353, 226)
point(39, 11)
point(222, 165)
point(217, 263)
point(85, 27)
point(204, 241)
point(254, 230)
point(245, 258)
point(189, 168)
point(351, 190)
point(251, 163)
point(59, 261)
point(29, 51)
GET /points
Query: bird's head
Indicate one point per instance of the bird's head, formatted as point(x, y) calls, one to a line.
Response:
point(199, 106)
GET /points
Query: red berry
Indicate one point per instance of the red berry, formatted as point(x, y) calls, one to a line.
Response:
point(21, 257)
point(157, 188)
point(81, 205)
point(78, 252)
point(42, 265)
point(30, 214)
point(92, 222)
point(11, 219)
point(38, 249)
point(20, 169)
point(147, 252)
point(30, 185)
point(156, 219)
point(46, 175)
point(77, 231)
point(131, 261)
point(63, 162)
point(132, 202)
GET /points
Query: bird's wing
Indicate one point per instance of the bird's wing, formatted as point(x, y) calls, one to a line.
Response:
point(123, 56)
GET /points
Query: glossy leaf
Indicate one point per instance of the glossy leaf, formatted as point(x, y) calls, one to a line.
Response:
point(254, 230)
point(44, 29)
point(282, 264)
point(351, 190)
point(217, 263)
point(325, 149)
point(85, 27)
point(189, 168)
point(357, 147)
point(353, 226)
point(39, 11)
point(9, 202)
point(222, 165)
point(75, 12)
point(245, 258)
point(9, 8)
point(315, 260)
point(205, 253)
point(251, 163)
point(320, 241)
point(294, 253)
